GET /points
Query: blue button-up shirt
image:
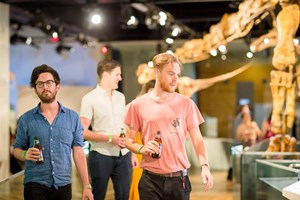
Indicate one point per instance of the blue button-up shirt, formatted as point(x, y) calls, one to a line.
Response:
point(57, 140)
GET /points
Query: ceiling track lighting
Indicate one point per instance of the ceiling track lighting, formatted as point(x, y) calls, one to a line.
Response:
point(84, 41)
point(61, 48)
point(19, 39)
point(129, 17)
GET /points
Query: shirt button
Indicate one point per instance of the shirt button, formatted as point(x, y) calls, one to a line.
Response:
point(52, 162)
point(53, 173)
point(51, 128)
point(51, 151)
point(51, 139)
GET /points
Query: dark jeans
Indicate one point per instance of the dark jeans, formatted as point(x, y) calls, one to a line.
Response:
point(118, 168)
point(156, 187)
point(35, 191)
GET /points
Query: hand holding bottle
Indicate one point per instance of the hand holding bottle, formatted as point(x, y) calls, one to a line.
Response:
point(37, 145)
point(32, 154)
point(159, 142)
point(122, 137)
point(153, 147)
point(117, 141)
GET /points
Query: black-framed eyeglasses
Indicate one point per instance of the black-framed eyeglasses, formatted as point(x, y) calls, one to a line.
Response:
point(48, 83)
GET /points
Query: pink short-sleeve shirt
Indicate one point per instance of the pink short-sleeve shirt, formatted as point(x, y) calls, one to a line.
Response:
point(174, 118)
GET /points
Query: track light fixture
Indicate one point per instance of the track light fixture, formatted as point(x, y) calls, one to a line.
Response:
point(130, 18)
point(82, 39)
point(64, 48)
point(19, 39)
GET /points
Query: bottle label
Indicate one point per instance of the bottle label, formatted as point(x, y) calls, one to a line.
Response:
point(41, 156)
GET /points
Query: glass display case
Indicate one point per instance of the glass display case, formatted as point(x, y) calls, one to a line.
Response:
point(263, 175)
point(275, 175)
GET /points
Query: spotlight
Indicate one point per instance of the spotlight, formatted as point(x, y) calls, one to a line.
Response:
point(130, 19)
point(96, 19)
point(104, 49)
point(19, 39)
point(222, 48)
point(151, 19)
point(249, 54)
point(176, 30)
point(64, 48)
point(54, 37)
point(162, 20)
point(213, 52)
point(84, 41)
point(169, 40)
point(133, 21)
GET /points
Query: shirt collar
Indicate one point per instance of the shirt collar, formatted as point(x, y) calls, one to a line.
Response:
point(38, 110)
point(103, 91)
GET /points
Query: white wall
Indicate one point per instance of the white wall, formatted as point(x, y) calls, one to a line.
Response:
point(4, 88)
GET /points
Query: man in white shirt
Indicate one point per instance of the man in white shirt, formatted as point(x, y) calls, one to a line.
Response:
point(103, 109)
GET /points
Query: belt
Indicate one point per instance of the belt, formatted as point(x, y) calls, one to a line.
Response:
point(181, 173)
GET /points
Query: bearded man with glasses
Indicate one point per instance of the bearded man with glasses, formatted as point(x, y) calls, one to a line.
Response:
point(59, 131)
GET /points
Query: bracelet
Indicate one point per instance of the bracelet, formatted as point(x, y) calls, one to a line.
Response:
point(205, 164)
point(88, 186)
point(139, 149)
point(23, 154)
point(110, 138)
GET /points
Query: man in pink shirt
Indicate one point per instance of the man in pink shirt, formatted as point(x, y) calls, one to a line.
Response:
point(175, 116)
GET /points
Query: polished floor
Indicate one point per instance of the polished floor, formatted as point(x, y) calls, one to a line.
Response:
point(12, 188)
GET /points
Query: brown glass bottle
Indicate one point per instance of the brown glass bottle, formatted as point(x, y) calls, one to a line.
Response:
point(158, 140)
point(122, 134)
point(37, 144)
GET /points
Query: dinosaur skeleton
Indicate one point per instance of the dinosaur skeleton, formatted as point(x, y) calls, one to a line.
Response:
point(286, 74)
point(186, 85)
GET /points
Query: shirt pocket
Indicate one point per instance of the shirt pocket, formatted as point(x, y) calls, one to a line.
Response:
point(65, 137)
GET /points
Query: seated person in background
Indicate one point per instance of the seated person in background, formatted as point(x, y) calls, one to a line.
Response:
point(248, 131)
point(238, 118)
point(266, 127)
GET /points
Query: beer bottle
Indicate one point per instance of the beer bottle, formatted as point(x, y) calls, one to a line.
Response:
point(158, 140)
point(122, 134)
point(37, 144)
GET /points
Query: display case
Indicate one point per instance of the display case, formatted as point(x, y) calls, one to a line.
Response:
point(263, 175)
point(272, 176)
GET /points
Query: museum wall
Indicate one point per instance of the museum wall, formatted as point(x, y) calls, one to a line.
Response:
point(221, 101)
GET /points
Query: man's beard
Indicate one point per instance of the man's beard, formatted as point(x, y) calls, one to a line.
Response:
point(166, 88)
point(47, 98)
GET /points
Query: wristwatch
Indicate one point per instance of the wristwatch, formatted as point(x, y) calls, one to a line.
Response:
point(205, 164)
point(88, 186)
